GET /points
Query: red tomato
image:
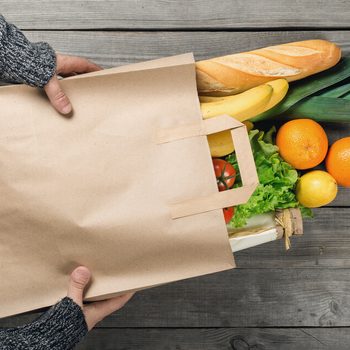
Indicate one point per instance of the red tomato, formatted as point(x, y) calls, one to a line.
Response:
point(228, 214)
point(225, 174)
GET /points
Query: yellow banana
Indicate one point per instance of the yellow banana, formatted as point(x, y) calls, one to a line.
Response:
point(280, 89)
point(210, 99)
point(243, 106)
point(249, 125)
point(279, 86)
point(221, 143)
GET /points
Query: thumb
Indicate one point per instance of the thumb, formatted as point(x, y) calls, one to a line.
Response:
point(79, 279)
point(57, 97)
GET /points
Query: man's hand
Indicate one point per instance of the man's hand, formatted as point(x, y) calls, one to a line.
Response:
point(66, 66)
point(97, 311)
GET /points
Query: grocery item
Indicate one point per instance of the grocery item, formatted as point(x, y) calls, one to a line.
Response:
point(316, 189)
point(338, 161)
point(277, 180)
point(225, 177)
point(336, 91)
point(221, 144)
point(235, 73)
point(322, 109)
point(280, 88)
point(225, 174)
point(242, 106)
point(303, 143)
point(267, 227)
point(329, 105)
point(300, 92)
point(228, 214)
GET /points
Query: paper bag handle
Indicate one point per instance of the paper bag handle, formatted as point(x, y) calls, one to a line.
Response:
point(249, 176)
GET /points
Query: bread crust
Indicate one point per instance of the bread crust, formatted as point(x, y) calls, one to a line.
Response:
point(236, 73)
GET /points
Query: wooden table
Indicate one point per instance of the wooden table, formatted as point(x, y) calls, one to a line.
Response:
point(274, 300)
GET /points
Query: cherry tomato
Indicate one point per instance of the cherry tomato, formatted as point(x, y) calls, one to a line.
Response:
point(225, 174)
point(228, 214)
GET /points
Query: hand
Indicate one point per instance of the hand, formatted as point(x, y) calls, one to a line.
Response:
point(97, 311)
point(66, 66)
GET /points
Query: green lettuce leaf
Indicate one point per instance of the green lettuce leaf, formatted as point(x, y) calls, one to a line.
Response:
point(277, 178)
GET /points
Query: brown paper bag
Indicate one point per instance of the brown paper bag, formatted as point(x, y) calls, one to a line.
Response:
point(125, 187)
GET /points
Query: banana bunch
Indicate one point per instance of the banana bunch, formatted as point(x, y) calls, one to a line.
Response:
point(242, 107)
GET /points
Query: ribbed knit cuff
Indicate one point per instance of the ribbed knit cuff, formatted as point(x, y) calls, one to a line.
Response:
point(60, 328)
point(22, 61)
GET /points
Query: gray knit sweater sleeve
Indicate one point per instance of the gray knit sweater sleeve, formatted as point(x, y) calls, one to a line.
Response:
point(60, 328)
point(22, 61)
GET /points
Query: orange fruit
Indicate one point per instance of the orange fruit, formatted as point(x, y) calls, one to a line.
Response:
point(338, 161)
point(303, 143)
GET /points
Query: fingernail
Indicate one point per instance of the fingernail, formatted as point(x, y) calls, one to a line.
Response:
point(67, 109)
point(81, 274)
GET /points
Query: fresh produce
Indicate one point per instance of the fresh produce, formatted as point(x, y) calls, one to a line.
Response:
point(331, 104)
point(235, 73)
point(316, 188)
point(266, 97)
point(313, 97)
point(280, 88)
point(277, 180)
point(243, 106)
point(338, 161)
point(225, 174)
point(228, 214)
point(225, 177)
point(322, 109)
point(204, 99)
point(303, 143)
point(221, 143)
point(336, 91)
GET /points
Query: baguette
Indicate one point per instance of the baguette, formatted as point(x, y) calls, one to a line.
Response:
point(232, 74)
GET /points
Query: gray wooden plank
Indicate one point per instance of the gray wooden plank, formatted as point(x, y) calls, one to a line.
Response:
point(325, 244)
point(218, 339)
point(150, 14)
point(118, 48)
point(239, 298)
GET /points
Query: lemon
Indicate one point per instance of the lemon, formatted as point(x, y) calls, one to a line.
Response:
point(316, 188)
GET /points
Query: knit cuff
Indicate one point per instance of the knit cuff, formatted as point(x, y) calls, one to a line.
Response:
point(60, 328)
point(22, 61)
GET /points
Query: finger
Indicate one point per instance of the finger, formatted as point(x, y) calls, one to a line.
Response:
point(57, 96)
point(97, 311)
point(79, 279)
point(73, 64)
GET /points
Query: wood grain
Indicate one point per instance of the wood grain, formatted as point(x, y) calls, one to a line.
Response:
point(239, 298)
point(325, 244)
point(218, 339)
point(118, 48)
point(175, 14)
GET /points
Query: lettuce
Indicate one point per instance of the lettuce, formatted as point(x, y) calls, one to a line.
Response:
point(277, 178)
